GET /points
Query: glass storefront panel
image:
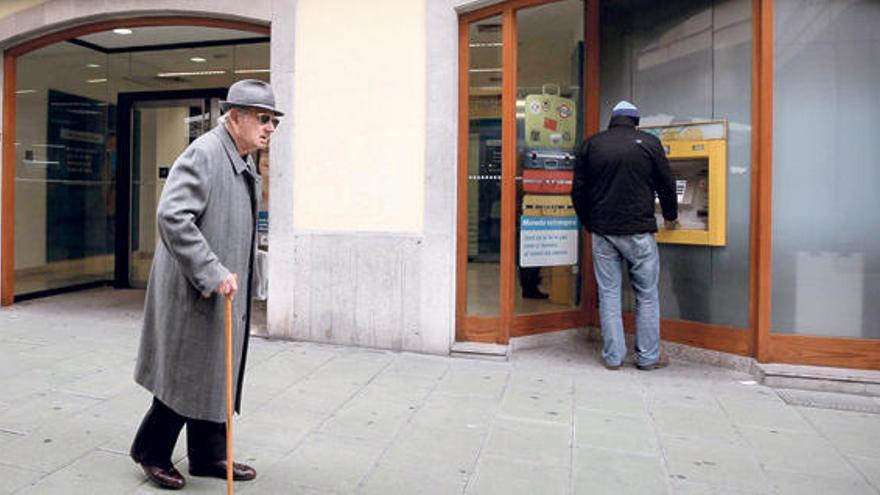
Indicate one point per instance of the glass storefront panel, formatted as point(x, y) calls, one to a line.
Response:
point(484, 167)
point(64, 176)
point(549, 122)
point(826, 227)
point(66, 139)
point(688, 62)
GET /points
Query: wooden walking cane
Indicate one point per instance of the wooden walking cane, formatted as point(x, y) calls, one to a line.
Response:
point(229, 397)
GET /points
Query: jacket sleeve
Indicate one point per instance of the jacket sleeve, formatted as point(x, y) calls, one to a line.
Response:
point(580, 190)
point(181, 204)
point(664, 182)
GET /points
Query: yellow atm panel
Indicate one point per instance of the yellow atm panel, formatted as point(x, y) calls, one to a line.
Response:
point(697, 154)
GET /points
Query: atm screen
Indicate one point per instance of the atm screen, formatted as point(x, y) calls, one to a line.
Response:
point(692, 191)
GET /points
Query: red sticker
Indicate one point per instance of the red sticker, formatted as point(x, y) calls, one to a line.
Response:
point(549, 124)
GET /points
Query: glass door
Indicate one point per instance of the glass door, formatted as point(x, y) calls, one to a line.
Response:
point(521, 252)
point(549, 127)
point(160, 131)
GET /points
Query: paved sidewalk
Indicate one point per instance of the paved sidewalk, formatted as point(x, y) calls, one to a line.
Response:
point(326, 419)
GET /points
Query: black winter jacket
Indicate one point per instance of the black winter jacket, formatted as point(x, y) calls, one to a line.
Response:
point(617, 172)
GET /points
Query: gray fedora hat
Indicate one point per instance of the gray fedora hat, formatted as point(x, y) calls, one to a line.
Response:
point(250, 93)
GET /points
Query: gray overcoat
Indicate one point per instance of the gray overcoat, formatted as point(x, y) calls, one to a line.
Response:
point(207, 224)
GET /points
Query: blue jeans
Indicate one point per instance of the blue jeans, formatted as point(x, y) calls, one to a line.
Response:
point(643, 261)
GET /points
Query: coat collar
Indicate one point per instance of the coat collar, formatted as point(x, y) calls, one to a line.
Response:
point(622, 121)
point(238, 164)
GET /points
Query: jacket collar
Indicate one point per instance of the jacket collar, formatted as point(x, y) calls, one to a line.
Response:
point(622, 121)
point(238, 163)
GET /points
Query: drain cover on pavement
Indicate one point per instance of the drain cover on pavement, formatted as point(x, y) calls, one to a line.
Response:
point(828, 400)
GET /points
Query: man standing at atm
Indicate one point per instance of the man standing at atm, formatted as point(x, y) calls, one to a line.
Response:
point(617, 174)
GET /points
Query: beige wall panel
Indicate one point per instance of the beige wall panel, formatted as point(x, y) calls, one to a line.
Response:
point(360, 116)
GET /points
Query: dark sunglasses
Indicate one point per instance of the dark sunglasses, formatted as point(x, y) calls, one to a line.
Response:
point(265, 118)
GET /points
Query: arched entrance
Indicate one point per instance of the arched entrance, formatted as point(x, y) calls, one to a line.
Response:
point(74, 183)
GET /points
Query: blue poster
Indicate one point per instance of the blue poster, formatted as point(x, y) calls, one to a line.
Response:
point(80, 199)
point(548, 241)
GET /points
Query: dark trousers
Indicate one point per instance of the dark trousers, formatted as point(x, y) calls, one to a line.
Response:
point(157, 435)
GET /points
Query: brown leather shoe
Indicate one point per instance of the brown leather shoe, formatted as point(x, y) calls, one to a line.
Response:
point(165, 478)
point(240, 472)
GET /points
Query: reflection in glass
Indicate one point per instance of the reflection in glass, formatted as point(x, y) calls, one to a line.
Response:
point(484, 167)
point(685, 62)
point(64, 176)
point(66, 142)
point(549, 128)
point(826, 170)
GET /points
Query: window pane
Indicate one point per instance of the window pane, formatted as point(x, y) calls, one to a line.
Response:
point(683, 62)
point(550, 62)
point(826, 226)
point(64, 175)
point(484, 167)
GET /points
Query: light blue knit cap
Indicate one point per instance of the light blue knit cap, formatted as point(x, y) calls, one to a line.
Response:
point(625, 109)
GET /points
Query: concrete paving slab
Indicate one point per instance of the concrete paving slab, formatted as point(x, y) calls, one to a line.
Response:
point(536, 442)
point(324, 462)
point(769, 414)
point(455, 413)
point(53, 446)
point(410, 476)
point(368, 421)
point(684, 488)
point(44, 407)
point(609, 471)
point(869, 467)
point(622, 402)
point(470, 382)
point(435, 446)
point(796, 452)
point(87, 475)
point(502, 475)
point(713, 462)
point(615, 432)
point(686, 421)
point(16, 478)
point(786, 483)
point(546, 405)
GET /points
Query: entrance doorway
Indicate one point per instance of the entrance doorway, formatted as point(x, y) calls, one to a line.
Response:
point(154, 129)
point(523, 262)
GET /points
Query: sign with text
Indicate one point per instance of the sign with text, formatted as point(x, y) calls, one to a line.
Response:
point(548, 241)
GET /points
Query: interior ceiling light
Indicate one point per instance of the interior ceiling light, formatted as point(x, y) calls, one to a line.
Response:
point(98, 80)
point(198, 59)
point(93, 66)
point(122, 31)
point(192, 73)
point(485, 70)
point(251, 71)
point(485, 45)
point(25, 91)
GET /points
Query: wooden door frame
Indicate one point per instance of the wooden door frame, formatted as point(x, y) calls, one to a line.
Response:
point(10, 58)
point(499, 329)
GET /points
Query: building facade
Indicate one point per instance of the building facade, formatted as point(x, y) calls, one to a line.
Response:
point(417, 187)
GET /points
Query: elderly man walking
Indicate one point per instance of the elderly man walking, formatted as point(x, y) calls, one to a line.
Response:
point(207, 221)
point(617, 173)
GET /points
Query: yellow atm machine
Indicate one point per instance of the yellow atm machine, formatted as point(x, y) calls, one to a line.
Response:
point(697, 154)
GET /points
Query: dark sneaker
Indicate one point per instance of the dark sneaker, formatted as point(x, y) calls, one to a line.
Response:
point(661, 363)
point(612, 367)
